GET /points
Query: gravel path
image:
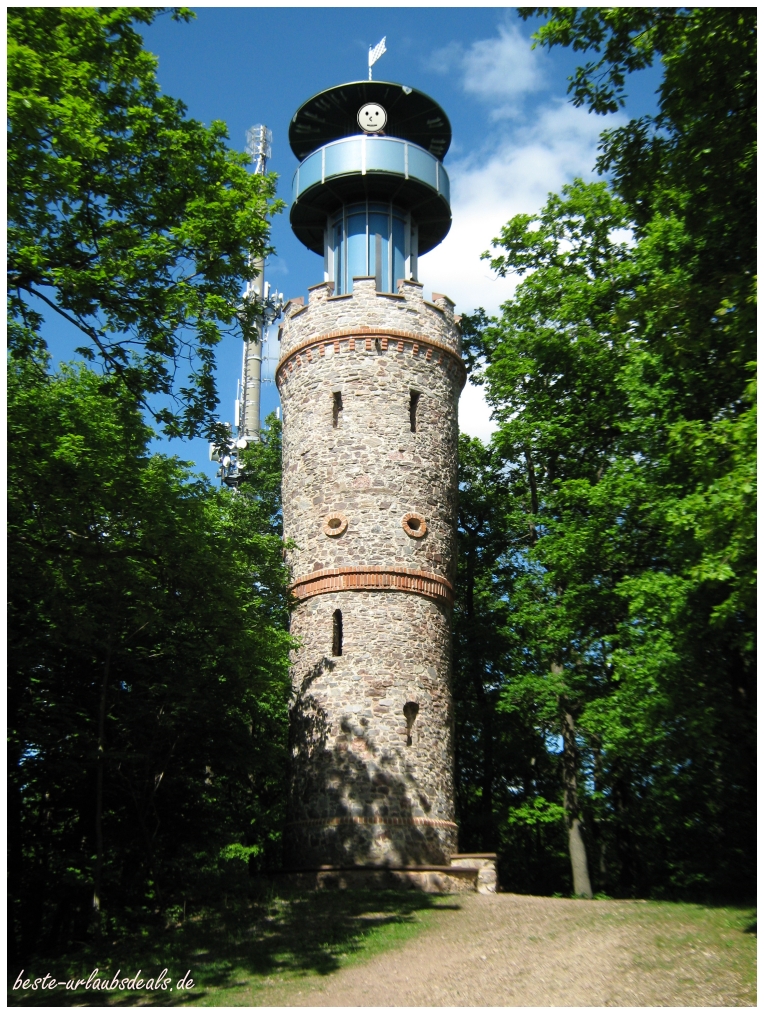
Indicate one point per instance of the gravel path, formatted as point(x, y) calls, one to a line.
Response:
point(513, 950)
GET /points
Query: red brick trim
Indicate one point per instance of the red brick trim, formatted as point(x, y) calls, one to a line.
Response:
point(334, 579)
point(333, 530)
point(416, 531)
point(386, 334)
point(389, 821)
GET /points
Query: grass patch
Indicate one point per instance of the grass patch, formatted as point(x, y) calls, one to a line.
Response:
point(703, 949)
point(245, 951)
point(712, 941)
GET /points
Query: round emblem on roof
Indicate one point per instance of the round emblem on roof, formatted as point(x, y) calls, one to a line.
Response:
point(372, 118)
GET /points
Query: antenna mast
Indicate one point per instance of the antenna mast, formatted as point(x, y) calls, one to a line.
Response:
point(267, 309)
point(259, 140)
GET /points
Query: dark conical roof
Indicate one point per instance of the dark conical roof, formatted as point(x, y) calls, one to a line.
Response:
point(331, 114)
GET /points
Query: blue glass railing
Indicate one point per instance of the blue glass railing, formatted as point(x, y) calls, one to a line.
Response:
point(371, 154)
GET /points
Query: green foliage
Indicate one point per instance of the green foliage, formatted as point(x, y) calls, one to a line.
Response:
point(260, 467)
point(537, 811)
point(131, 221)
point(620, 374)
point(140, 594)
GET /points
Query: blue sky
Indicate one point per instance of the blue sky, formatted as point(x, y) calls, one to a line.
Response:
point(515, 135)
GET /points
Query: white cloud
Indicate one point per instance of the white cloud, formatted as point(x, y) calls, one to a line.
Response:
point(475, 413)
point(445, 60)
point(523, 160)
point(497, 71)
point(502, 68)
point(489, 187)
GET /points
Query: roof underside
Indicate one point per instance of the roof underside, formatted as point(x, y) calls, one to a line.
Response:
point(332, 114)
point(430, 210)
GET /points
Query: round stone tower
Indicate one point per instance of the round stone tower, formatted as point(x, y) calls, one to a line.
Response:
point(369, 376)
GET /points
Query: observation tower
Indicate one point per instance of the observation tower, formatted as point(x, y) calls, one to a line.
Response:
point(369, 376)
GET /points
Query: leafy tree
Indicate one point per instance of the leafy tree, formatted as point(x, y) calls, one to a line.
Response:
point(480, 635)
point(687, 174)
point(126, 218)
point(148, 664)
point(504, 771)
point(620, 375)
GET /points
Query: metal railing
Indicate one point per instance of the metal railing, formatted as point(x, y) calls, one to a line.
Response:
point(371, 154)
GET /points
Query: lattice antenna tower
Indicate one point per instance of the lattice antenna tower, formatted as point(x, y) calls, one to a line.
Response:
point(247, 406)
point(259, 146)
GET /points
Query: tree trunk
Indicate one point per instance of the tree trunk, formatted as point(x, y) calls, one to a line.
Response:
point(582, 886)
point(98, 873)
point(598, 835)
point(620, 793)
point(486, 710)
point(534, 493)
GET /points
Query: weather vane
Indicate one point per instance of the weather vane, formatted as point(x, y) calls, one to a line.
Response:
point(375, 53)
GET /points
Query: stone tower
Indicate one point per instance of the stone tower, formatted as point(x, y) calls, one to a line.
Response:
point(369, 376)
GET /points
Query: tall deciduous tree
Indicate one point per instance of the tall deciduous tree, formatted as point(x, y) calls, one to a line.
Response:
point(621, 377)
point(126, 218)
point(148, 661)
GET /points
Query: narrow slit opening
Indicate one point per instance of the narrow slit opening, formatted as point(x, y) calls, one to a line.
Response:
point(410, 711)
point(337, 632)
point(336, 408)
point(413, 403)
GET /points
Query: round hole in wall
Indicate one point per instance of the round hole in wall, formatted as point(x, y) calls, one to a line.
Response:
point(414, 525)
point(335, 524)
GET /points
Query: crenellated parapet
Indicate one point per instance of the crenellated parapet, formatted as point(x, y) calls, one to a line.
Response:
point(370, 437)
point(403, 316)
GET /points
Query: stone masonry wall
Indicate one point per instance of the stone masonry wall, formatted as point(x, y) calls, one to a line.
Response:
point(371, 504)
point(366, 789)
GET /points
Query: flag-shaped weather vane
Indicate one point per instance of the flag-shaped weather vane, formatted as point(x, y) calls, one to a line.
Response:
point(375, 53)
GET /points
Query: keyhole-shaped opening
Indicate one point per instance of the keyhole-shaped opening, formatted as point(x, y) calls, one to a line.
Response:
point(336, 408)
point(413, 402)
point(337, 632)
point(410, 711)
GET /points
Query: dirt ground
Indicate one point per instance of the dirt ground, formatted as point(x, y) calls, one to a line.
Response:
point(513, 950)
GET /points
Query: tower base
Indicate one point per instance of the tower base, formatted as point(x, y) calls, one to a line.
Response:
point(467, 873)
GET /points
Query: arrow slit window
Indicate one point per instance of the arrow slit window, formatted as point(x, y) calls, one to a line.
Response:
point(337, 632)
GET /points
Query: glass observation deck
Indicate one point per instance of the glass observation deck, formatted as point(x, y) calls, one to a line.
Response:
point(366, 154)
point(369, 170)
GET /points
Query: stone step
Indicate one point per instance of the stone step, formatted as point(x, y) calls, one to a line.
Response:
point(484, 863)
point(430, 879)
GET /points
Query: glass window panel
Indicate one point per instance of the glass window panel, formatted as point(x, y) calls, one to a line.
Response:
point(379, 250)
point(444, 183)
point(354, 254)
point(399, 252)
point(356, 248)
point(310, 171)
point(421, 165)
point(340, 284)
point(385, 154)
point(344, 157)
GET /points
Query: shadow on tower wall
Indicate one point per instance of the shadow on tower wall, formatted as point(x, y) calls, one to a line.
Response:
point(352, 803)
